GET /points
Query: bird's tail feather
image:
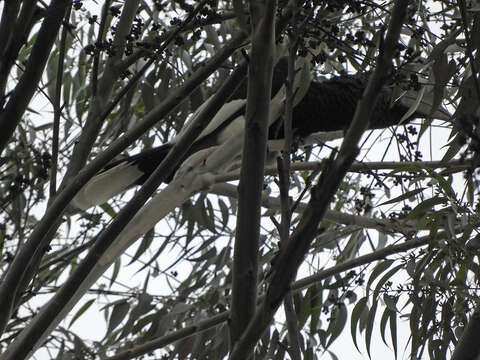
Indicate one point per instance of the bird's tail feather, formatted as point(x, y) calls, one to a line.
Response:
point(118, 177)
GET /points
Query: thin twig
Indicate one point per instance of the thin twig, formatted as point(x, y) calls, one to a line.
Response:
point(172, 35)
point(463, 13)
point(100, 35)
point(110, 76)
point(450, 167)
point(383, 225)
point(57, 110)
point(17, 105)
point(24, 91)
point(284, 180)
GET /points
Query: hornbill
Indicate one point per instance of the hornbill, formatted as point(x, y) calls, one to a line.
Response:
point(327, 106)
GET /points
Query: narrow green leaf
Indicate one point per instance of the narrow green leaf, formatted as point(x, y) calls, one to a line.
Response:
point(224, 211)
point(144, 245)
point(305, 310)
point(414, 327)
point(393, 332)
point(52, 66)
point(357, 312)
point(79, 347)
point(116, 269)
point(391, 302)
point(157, 254)
point(316, 300)
point(454, 148)
point(209, 216)
point(425, 206)
point(428, 314)
point(370, 323)
point(207, 255)
point(109, 210)
point(120, 310)
point(143, 306)
point(411, 265)
point(332, 355)
point(383, 324)
point(379, 268)
point(415, 105)
point(384, 279)
point(67, 86)
point(444, 184)
point(338, 323)
point(81, 311)
point(402, 197)
point(407, 168)
point(142, 322)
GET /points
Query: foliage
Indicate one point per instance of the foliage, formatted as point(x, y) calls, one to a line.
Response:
point(168, 296)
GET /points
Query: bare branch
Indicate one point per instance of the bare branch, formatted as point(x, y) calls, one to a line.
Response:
point(109, 78)
point(9, 15)
point(23, 93)
point(383, 225)
point(57, 108)
point(9, 50)
point(463, 13)
point(101, 34)
point(245, 261)
point(284, 185)
point(468, 347)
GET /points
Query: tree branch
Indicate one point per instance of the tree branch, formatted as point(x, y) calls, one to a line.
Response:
point(23, 93)
point(16, 106)
point(463, 13)
point(89, 133)
point(100, 36)
point(29, 14)
point(383, 225)
point(9, 15)
point(245, 260)
point(57, 108)
point(283, 165)
point(110, 76)
point(468, 347)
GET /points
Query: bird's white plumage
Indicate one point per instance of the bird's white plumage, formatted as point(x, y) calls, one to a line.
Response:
point(107, 184)
point(112, 182)
point(234, 128)
point(225, 112)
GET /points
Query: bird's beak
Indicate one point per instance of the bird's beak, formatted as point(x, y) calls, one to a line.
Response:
point(421, 103)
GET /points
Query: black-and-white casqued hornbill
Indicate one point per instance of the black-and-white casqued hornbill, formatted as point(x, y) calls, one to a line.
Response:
point(327, 106)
